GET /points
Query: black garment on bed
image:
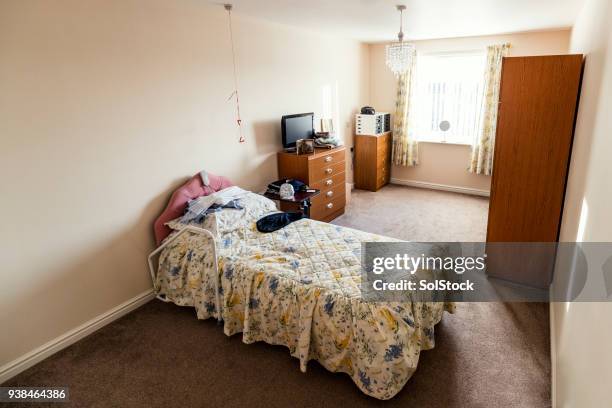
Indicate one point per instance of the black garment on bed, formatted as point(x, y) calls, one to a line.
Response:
point(276, 221)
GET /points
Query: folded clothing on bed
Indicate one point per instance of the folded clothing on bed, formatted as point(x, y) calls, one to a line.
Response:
point(198, 217)
point(199, 207)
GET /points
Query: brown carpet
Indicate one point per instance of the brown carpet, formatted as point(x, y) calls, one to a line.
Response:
point(416, 214)
point(486, 355)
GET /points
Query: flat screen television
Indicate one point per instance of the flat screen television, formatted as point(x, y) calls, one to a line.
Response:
point(294, 127)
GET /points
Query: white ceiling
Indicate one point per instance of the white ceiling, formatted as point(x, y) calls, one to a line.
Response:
point(377, 20)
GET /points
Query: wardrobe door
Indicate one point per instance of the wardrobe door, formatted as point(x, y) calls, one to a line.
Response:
point(538, 102)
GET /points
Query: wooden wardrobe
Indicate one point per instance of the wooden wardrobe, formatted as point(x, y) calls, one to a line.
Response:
point(535, 127)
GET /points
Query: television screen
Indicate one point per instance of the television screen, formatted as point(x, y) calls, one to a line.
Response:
point(294, 127)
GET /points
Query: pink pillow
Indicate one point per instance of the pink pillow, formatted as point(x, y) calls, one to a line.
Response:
point(194, 188)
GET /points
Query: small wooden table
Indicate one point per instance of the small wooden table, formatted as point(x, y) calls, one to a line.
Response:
point(301, 198)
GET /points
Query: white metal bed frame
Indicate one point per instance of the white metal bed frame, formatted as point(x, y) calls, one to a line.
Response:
point(157, 251)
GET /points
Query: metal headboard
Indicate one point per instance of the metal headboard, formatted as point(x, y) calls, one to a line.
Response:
point(159, 249)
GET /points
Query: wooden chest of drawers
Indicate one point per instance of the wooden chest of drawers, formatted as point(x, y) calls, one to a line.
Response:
point(372, 161)
point(323, 170)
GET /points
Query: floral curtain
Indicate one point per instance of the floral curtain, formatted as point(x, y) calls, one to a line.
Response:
point(482, 150)
point(405, 147)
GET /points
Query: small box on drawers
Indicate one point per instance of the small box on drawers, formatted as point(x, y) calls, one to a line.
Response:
point(375, 124)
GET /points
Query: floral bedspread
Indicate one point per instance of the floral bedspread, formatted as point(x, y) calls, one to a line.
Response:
point(299, 287)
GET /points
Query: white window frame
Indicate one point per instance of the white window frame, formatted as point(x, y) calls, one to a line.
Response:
point(441, 137)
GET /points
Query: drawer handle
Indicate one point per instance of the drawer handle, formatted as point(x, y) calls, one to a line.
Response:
point(328, 159)
point(328, 171)
point(329, 182)
point(330, 205)
point(329, 193)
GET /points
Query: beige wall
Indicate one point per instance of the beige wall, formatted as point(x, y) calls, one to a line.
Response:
point(105, 107)
point(446, 163)
point(582, 332)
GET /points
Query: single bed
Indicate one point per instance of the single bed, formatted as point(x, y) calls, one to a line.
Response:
point(298, 287)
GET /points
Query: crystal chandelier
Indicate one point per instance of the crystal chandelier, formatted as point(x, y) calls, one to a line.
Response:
point(400, 54)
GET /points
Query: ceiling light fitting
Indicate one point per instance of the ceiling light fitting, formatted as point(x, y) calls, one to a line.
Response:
point(399, 55)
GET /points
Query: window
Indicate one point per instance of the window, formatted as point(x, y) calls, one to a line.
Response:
point(329, 109)
point(449, 87)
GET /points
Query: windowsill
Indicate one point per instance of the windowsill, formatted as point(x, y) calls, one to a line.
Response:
point(445, 143)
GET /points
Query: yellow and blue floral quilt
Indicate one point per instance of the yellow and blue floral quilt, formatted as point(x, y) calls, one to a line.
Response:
point(298, 287)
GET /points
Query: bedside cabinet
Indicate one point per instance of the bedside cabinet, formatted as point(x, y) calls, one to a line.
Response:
point(323, 170)
point(372, 161)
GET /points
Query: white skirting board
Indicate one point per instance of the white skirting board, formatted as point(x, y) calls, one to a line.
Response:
point(28, 360)
point(442, 187)
point(553, 353)
point(349, 191)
